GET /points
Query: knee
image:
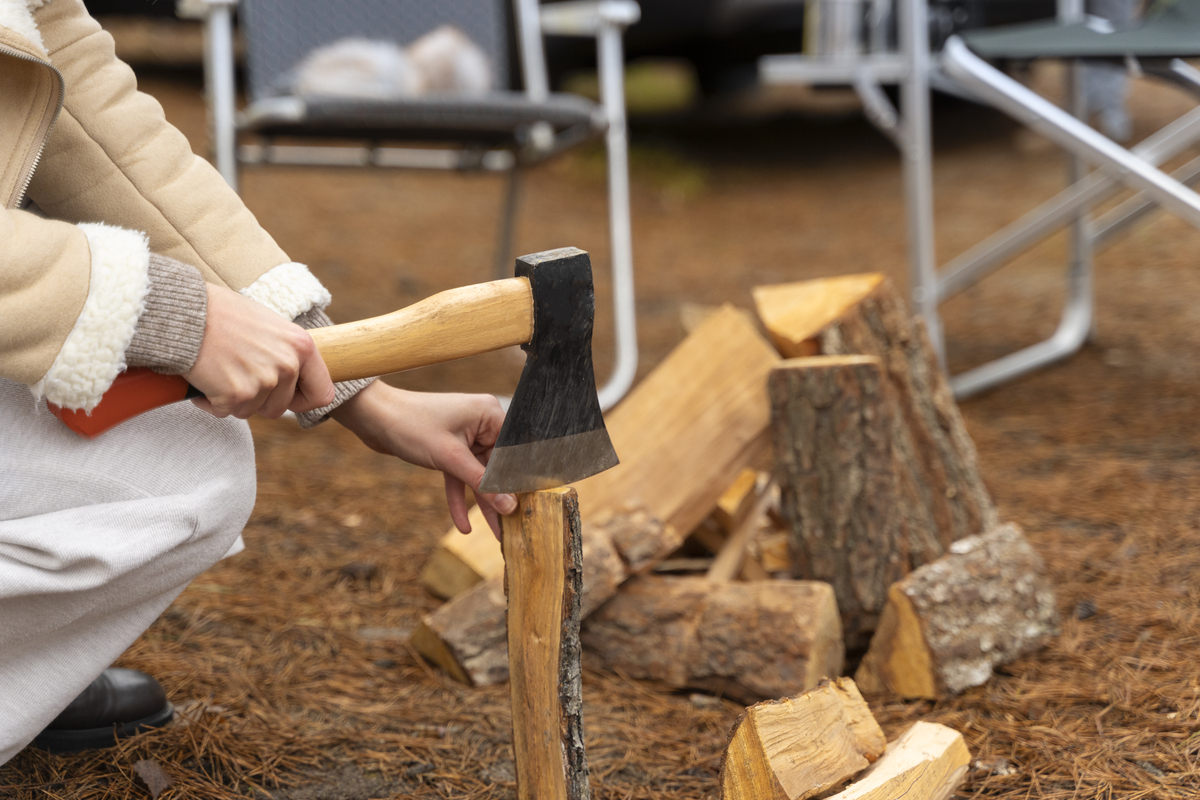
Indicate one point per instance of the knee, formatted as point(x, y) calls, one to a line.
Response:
point(224, 494)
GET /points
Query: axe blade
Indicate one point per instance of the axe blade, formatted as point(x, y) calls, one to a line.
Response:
point(554, 432)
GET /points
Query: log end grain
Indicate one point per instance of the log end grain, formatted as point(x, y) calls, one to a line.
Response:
point(801, 746)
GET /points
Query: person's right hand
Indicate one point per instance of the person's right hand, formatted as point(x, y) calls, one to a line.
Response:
point(253, 361)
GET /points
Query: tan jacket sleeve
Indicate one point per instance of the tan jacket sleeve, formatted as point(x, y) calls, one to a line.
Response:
point(44, 274)
point(113, 157)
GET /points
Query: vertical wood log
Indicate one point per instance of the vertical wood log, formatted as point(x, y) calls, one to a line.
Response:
point(864, 315)
point(851, 488)
point(544, 582)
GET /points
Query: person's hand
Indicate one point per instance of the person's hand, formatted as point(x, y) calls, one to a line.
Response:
point(253, 361)
point(453, 433)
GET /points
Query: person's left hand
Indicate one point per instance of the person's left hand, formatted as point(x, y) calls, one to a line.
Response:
point(453, 433)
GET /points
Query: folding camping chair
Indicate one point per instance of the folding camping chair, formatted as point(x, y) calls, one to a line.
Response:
point(1169, 31)
point(503, 130)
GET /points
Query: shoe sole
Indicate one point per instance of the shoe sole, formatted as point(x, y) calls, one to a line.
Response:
point(99, 738)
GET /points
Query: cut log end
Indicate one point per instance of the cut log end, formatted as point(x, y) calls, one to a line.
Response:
point(802, 746)
point(794, 314)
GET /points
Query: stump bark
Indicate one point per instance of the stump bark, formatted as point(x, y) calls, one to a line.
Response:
point(853, 492)
point(864, 315)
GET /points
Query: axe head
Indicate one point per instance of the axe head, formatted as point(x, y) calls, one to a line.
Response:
point(554, 433)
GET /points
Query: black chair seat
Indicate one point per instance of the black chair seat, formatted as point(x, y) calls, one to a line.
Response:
point(493, 118)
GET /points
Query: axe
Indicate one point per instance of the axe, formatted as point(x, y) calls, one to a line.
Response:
point(553, 433)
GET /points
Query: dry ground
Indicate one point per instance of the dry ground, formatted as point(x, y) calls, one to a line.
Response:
point(289, 663)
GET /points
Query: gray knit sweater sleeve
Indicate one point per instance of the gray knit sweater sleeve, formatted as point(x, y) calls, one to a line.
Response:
point(169, 331)
point(343, 391)
point(171, 328)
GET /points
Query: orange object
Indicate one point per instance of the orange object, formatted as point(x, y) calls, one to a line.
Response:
point(133, 392)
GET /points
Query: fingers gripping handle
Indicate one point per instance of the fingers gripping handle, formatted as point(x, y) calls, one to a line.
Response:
point(447, 326)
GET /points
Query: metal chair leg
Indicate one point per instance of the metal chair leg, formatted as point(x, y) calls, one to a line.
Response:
point(508, 222)
point(612, 95)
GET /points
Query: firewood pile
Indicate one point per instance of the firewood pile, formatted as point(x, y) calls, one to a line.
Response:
point(785, 504)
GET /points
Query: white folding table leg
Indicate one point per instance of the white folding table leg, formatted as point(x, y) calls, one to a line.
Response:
point(612, 95)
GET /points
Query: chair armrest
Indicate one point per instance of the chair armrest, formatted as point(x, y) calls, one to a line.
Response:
point(587, 17)
point(200, 9)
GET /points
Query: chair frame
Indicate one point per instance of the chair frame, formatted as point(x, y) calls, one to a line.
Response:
point(603, 20)
point(957, 71)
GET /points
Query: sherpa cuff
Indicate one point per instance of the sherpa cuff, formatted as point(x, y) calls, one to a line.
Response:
point(290, 290)
point(342, 391)
point(94, 351)
point(171, 329)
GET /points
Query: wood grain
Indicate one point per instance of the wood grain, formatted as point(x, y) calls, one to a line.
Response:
point(543, 581)
point(799, 747)
point(927, 762)
point(447, 326)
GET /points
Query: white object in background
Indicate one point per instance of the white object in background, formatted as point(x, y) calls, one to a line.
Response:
point(448, 61)
point(358, 68)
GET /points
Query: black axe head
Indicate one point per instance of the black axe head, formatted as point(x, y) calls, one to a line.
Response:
point(554, 432)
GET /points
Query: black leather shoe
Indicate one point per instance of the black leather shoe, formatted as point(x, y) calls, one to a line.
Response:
point(121, 702)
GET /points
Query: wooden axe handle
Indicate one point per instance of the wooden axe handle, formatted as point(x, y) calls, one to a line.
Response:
point(449, 325)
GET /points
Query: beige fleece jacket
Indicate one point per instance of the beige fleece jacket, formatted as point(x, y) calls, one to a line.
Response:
point(116, 182)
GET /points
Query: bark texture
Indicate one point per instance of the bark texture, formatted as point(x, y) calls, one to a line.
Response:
point(852, 494)
point(878, 323)
point(949, 624)
point(799, 747)
point(745, 640)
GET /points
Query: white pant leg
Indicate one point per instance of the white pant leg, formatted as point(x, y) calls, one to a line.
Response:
point(98, 536)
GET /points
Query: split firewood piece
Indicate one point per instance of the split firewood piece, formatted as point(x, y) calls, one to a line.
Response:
point(466, 636)
point(927, 762)
point(543, 556)
point(744, 640)
point(773, 552)
point(736, 501)
point(864, 315)
point(458, 561)
point(851, 485)
point(683, 434)
point(801, 746)
point(950, 623)
point(730, 561)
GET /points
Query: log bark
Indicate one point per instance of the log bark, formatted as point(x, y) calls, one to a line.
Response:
point(852, 491)
point(466, 636)
point(927, 762)
point(950, 623)
point(864, 315)
point(802, 746)
point(543, 557)
point(683, 435)
point(744, 640)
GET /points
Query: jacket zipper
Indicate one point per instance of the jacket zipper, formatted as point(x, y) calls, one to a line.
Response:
point(48, 125)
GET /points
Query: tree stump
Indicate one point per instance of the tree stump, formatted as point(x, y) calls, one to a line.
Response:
point(852, 487)
point(864, 315)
